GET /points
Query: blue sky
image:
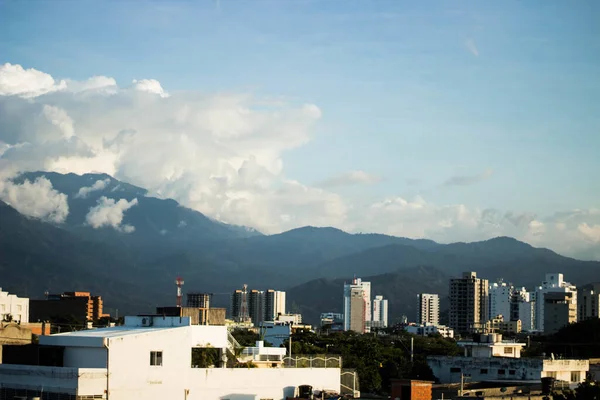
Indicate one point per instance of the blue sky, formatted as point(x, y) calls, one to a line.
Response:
point(505, 93)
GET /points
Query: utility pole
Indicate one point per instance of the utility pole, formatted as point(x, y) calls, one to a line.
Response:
point(462, 383)
point(412, 349)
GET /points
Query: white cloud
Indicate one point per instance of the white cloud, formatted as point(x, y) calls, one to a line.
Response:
point(110, 213)
point(222, 155)
point(150, 86)
point(98, 185)
point(350, 178)
point(35, 199)
point(17, 81)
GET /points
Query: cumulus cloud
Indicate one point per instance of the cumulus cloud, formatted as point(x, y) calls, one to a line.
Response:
point(109, 212)
point(36, 199)
point(465, 180)
point(150, 86)
point(222, 154)
point(16, 80)
point(350, 178)
point(98, 185)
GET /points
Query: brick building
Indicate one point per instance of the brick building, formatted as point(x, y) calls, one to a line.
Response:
point(410, 389)
point(81, 306)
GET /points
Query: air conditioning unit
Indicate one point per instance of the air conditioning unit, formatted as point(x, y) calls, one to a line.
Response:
point(147, 321)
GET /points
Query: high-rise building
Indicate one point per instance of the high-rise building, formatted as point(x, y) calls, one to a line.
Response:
point(468, 303)
point(256, 306)
point(500, 298)
point(554, 283)
point(274, 304)
point(198, 300)
point(16, 307)
point(522, 308)
point(428, 310)
point(588, 300)
point(239, 305)
point(560, 310)
point(354, 309)
point(380, 312)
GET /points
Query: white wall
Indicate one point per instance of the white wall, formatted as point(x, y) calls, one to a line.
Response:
point(18, 307)
point(76, 381)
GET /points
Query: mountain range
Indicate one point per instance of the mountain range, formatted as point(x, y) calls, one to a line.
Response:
point(134, 268)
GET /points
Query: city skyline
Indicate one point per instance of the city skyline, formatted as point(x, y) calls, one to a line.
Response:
point(434, 122)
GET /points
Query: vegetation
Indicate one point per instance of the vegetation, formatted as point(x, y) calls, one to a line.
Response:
point(377, 357)
point(579, 340)
point(588, 390)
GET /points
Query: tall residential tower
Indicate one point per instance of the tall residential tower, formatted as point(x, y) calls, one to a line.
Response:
point(468, 303)
point(428, 311)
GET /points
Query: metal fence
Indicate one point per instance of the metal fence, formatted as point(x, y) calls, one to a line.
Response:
point(306, 361)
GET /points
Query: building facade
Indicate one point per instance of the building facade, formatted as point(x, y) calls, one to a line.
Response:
point(198, 300)
point(560, 310)
point(274, 304)
point(588, 300)
point(522, 308)
point(80, 305)
point(553, 283)
point(380, 312)
point(13, 307)
point(151, 358)
point(500, 294)
point(429, 329)
point(428, 309)
point(256, 306)
point(468, 303)
point(357, 306)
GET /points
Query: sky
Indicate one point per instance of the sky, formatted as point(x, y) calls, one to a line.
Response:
point(450, 120)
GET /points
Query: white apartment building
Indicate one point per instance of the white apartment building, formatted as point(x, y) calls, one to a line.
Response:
point(380, 312)
point(357, 306)
point(274, 304)
point(554, 283)
point(500, 299)
point(523, 308)
point(428, 310)
point(151, 358)
point(429, 329)
point(16, 307)
point(492, 359)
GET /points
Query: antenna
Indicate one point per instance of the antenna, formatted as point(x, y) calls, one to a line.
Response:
point(179, 283)
point(244, 311)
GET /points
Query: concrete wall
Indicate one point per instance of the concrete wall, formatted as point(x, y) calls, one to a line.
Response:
point(11, 333)
point(75, 381)
point(84, 357)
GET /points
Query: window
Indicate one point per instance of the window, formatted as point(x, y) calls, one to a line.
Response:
point(156, 358)
point(501, 372)
point(575, 376)
point(508, 350)
point(483, 371)
point(455, 369)
point(512, 372)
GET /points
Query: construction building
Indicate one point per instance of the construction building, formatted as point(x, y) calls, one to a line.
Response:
point(468, 303)
point(198, 300)
point(256, 306)
point(588, 300)
point(81, 306)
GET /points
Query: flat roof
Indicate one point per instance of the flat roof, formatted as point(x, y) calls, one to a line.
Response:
point(95, 337)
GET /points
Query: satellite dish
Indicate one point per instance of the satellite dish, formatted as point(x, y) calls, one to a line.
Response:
point(503, 389)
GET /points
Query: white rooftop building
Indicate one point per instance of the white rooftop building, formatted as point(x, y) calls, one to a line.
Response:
point(427, 329)
point(16, 307)
point(494, 359)
point(150, 358)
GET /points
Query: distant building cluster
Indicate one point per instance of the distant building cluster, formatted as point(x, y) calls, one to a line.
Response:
point(360, 312)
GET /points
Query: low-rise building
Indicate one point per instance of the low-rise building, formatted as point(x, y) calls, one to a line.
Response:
point(151, 358)
point(332, 322)
point(13, 308)
point(429, 329)
point(490, 358)
point(491, 345)
point(264, 357)
point(499, 324)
